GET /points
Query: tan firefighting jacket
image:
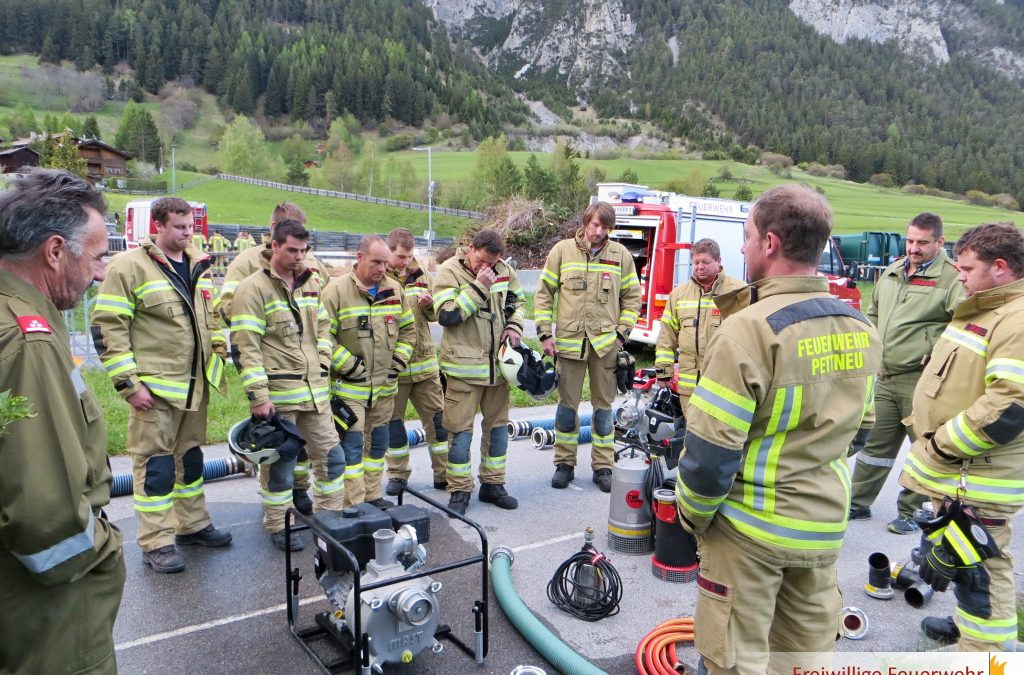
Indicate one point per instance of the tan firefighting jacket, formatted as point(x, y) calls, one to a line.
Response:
point(474, 318)
point(371, 337)
point(969, 404)
point(598, 296)
point(283, 339)
point(415, 282)
point(689, 321)
point(788, 382)
point(250, 260)
point(54, 476)
point(911, 313)
point(147, 332)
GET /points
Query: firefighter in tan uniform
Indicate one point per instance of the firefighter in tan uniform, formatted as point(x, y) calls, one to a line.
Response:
point(283, 337)
point(763, 480)
point(372, 330)
point(421, 381)
point(479, 302)
point(968, 418)
point(250, 260)
point(691, 318)
point(244, 241)
point(219, 244)
point(199, 241)
point(61, 568)
point(910, 305)
point(598, 304)
point(159, 337)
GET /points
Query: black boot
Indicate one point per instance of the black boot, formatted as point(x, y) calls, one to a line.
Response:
point(941, 629)
point(458, 502)
point(303, 504)
point(492, 493)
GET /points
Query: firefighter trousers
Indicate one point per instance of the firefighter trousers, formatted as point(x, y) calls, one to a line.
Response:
point(461, 401)
point(986, 598)
point(428, 401)
point(167, 471)
point(894, 396)
point(63, 628)
point(602, 393)
point(756, 600)
point(327, 460)
point(366, 443)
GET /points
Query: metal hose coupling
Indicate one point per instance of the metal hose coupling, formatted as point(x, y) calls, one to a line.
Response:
point(879, 585)
point(505, 551)
point(919, 594)
point(855, 623)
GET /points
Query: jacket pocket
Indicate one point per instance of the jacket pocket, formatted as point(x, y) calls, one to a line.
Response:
point(936, 373)
point(574, 282)
point(714, 638)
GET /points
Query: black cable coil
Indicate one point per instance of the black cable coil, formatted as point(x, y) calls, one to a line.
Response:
point(586, 586)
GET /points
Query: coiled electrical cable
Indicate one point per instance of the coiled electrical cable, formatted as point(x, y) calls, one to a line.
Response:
point(656, 653)
point(586, 586)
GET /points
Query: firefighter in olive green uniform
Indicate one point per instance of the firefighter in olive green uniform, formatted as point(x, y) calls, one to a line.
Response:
point(420, 382)
point(156, 330)
point(61, 568)
point(691, 318)
point(763, 480)
point(479, 302)
point(284, 345)
point(373, 331)
point(910, 305)
point(968, 418)
point(598, 304)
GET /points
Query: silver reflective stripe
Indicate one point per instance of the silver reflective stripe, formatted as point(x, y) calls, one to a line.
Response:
point(875, 461)
point(76, 379)
point(733, 513)
point(61, 552)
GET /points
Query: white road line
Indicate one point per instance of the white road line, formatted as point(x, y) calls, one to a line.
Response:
point(188, 630)
point(548, 542)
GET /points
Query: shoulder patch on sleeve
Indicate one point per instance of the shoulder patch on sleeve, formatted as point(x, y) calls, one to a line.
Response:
point(34, 324)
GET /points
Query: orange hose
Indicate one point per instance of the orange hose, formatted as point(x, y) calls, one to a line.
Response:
point(656, 653)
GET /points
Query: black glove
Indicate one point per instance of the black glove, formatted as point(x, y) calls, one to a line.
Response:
point(939, 568)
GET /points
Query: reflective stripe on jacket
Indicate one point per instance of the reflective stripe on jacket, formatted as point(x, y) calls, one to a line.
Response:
point(598, 296)
point(969, 404)
point(689, 321)
point(283, 339)
point(371, 337)
point(147, 332)
point(415, 282)
point(474, 318)
point(250, 261)
point(788, 381)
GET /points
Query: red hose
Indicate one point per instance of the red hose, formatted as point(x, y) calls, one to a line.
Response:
point(656, 653)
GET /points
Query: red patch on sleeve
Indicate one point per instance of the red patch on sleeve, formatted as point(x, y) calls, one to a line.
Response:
point(976, 329)
point(922, 282)
point(715, 312)
point(207, 294)
point(33, 324)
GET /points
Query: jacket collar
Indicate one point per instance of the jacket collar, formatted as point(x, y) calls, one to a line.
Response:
point(934, 268)
point(411, 272)
point(734, 301)
point(716, 285)
point(195, 256)
point(993, 298)
point(300, 279)
point(585, 247)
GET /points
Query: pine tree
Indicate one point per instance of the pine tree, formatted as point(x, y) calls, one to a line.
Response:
point(64, 154)
point(91, 128)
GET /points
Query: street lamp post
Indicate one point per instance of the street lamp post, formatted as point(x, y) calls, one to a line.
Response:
point(174, 184)
point(430, 197)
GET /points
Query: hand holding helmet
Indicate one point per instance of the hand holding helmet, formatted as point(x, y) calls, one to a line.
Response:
point(526, 369)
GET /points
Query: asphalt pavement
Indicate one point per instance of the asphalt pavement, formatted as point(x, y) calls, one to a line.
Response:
point(225, 613)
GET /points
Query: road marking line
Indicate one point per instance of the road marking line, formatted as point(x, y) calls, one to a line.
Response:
point(549, 542)
point(188, 630)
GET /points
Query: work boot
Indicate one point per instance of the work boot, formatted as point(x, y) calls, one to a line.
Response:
point(563, 476)
point(903, 525)
point(303, 504)
point(297, 544)
point(458, 502)
point(381, 503)
point(603, 479)
point(395, 486)
point(860, 513)
point(494, 493)
point(440, 484)
point(941, 629)
point(208, 536)
point(165, 559)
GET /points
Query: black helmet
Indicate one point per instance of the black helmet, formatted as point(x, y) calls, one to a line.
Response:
point(261, 440)
point(625, 369)
point(525, 368)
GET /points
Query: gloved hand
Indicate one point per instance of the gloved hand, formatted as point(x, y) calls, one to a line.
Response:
point(939, 568)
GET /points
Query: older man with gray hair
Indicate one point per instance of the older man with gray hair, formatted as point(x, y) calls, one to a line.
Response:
point(60, 559)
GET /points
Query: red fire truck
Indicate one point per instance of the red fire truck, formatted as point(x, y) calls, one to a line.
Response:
point(138, 222)
point(659, 228)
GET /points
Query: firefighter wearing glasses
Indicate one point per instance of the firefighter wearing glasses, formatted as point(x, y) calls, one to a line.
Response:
point(968, 418)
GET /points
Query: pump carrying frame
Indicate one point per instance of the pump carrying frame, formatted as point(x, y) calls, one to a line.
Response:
point(355, 655)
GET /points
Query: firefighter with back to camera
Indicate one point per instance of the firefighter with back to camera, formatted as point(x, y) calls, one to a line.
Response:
point(968, 456)
point(283, 337)
point(598, 304)
point(763, 480)
point(372, 333)
point(158, 334)
point(61, 568)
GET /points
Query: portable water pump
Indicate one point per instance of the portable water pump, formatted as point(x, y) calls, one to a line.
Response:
point(629, 515)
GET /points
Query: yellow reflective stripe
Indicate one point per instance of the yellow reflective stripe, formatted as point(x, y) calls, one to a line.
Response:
point(689, 500)
point(783, 531)
point(115, 304)
point(253, 375)
point(994, 490)
point(276, 498)
point(572, 267)
point(956, 538)
point(406, 319)
point(329, 487)
point(352, 312)
point(628, 316)
point(496, 463)
point(567, 437)
point(420, 367)
point(467, 371)
point(549, 277)
point(629, 280)
point(354, 392)
point(152, 287)
point(397, 453)
point(459, 469)
point(323, 345)
point(303, 302)
point(229, 287)
point(1005, 369)
point(444, 296)
point(146, 504)
point(723, 404)
point(499, 287)
point(603, 441)
point(542, 315)
point(353, 471)
point(842, 470)
point(277, 306)
point(182, 491)
point(975, 343)
point(664, 357)
point(297, 395)
point(301, 469)
point(760, 466)
point(570, 344)
point(240, 322)
point(166, 388)
point(439, 448)
point(603, 341)
point(669, 319)
point(120, 364)
point(214, 370)
point(964, 438)
point(989, 630)
point(340, 357)
point(466, 303)
point(403, 349)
